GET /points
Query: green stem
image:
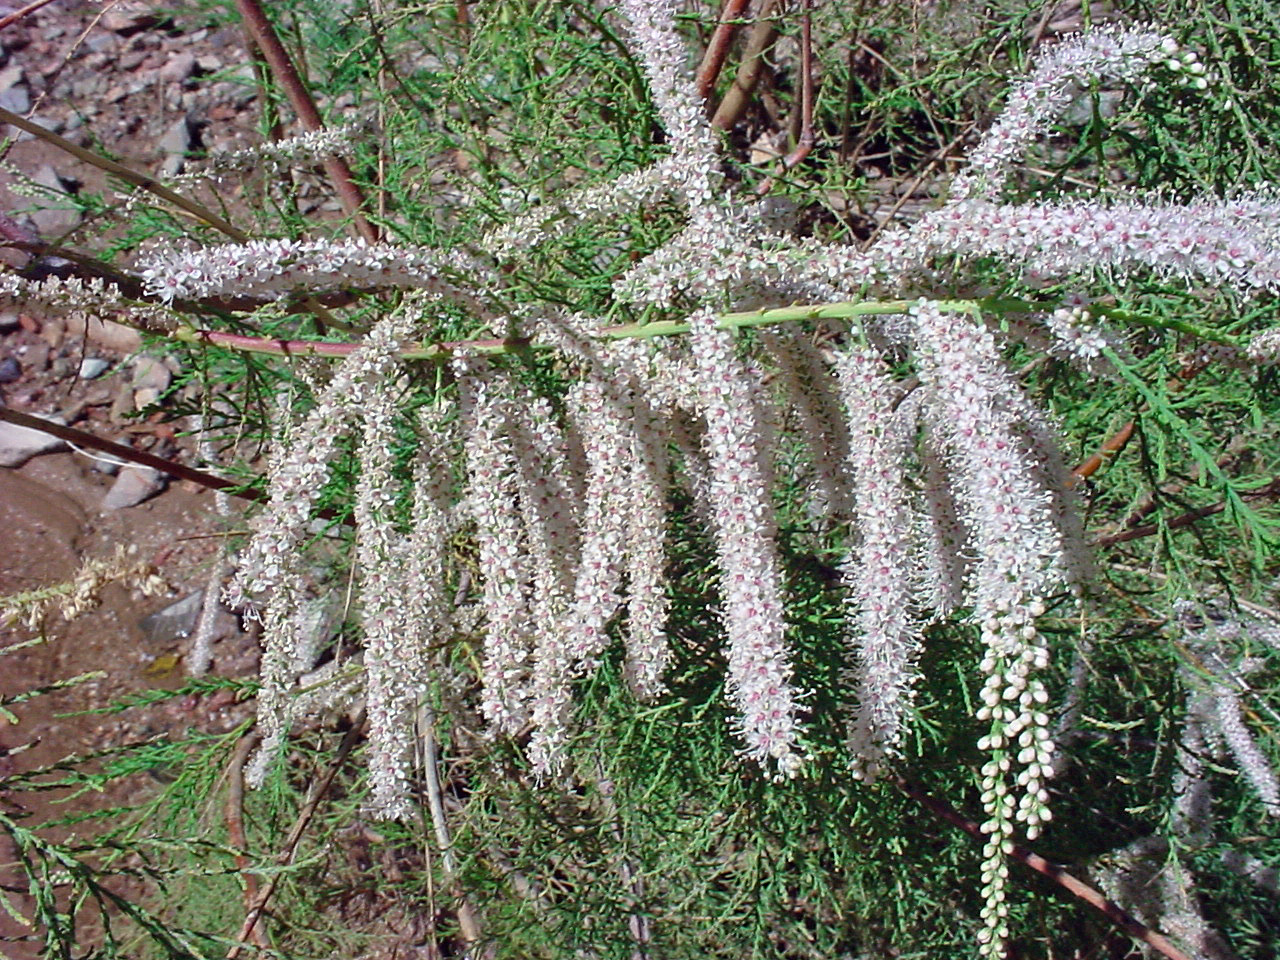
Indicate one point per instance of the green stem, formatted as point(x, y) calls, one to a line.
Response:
point(442, 351)
point(511, 345)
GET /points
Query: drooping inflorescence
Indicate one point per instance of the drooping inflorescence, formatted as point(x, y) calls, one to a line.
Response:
point(931, 469)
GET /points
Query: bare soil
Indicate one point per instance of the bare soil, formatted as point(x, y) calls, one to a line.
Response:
point(142, 83)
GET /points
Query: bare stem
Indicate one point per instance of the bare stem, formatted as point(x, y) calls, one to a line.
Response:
point(718, 48)
point(736, 98)
point(273, 51)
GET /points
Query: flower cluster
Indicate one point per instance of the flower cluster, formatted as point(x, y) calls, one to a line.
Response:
point(759, 664)
point(925, 455)
point(881, 594)
point(275, 268)
point(1108, 53)
point(305, 148)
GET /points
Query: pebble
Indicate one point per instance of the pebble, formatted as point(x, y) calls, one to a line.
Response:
point(174, 145)
point(134, 485)
point(179, 68)
point(175, 621)
point(20, 444)
point(129, 18)
point(51, 213)
point(150, 373)
point(107, 334)
point(10, 370)
point(91, 367)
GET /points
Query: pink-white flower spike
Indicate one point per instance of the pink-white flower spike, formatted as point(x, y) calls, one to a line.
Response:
point(759, 661)
point(1019, 563)
point(648, 652)
point(663, 57)
point(493, 502)
point(393, 681)
point(1231, 242)
point(274, 268)
point(885, 633)
point(1106, 53)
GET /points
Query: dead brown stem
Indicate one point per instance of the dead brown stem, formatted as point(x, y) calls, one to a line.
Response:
point(127, 174)
point(285, 857)
point(1182, 520)
point(233, 813)
point(19, 14)
point(83, 439)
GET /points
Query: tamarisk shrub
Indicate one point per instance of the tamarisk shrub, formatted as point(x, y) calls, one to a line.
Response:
point(929, 465)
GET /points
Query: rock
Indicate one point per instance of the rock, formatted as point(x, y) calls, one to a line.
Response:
point(54, 212)
point(91, 367)
point(145, 397)
point(20, 444)
point(104, 466)
point(8, 320)
point(174, 145)
point(173, 622)
point(127, 19)
point(10, 77)
point(14, 95)
point(149, 372)
point(106, 333)
point(10, 370)
point(99, 42)
point(134, 485)
point(179, 68)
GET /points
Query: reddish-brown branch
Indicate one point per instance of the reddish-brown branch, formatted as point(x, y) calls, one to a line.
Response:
point(1077, 888)
point(1117, 441)
point(718, 48)
point(285, 857)
point(273, 51)
point(171, 467)
point(19, 14)
point(233, 813)
point(1113, 445)
point(804, 144)
point(1183, 520)
point(736, 98)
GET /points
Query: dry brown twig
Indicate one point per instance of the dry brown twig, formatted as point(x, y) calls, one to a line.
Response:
point(319, 790)
point(233, 813)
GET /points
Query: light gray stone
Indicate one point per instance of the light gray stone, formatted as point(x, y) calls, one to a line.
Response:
point(53, 211)
point(174, 621)
point(20, 444)
point(179, 68)
point(174, 145)
point(91, 367)
point(134, 485)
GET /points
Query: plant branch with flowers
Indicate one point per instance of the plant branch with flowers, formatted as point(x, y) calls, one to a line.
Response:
point(931, 471)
